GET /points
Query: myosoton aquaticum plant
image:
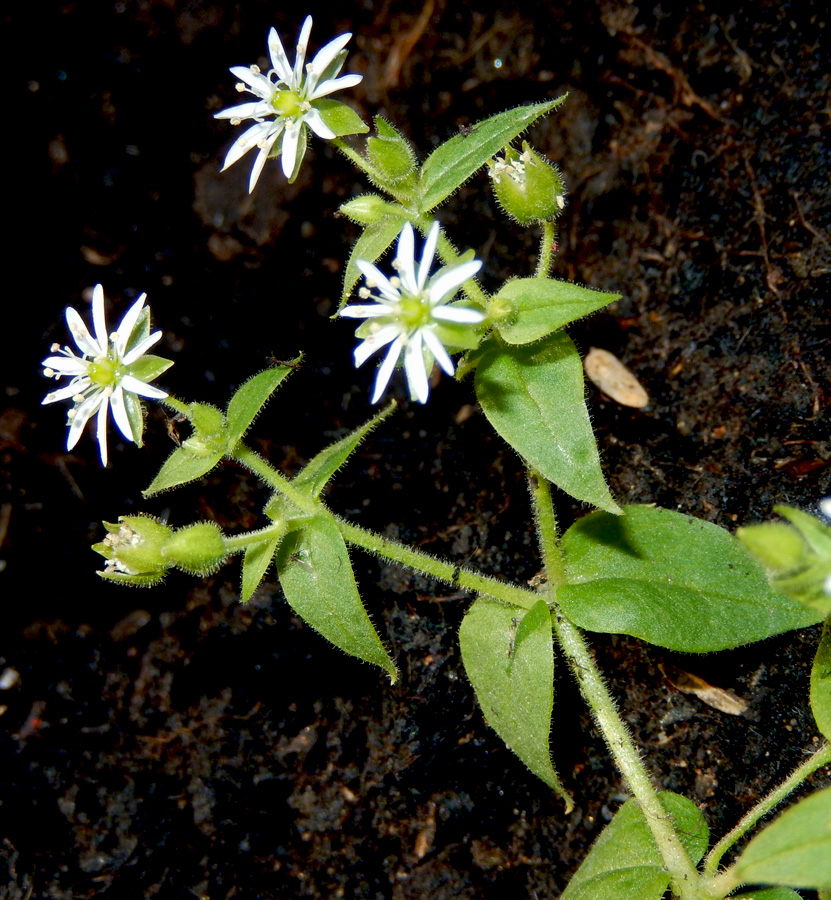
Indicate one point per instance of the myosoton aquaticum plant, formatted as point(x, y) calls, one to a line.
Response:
point(657, 574)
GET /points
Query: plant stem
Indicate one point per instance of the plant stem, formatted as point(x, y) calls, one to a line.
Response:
point(712, 861)
point(546, 250)
point(458, 576)
point(449, 255)
point(365, 166)
point(238, 543)
point(685, 879)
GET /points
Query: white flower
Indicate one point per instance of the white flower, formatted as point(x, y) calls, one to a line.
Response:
point(288, 94)
point(109, 374)
point(410, 313)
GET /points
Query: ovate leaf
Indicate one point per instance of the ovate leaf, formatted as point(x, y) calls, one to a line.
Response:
point(542, 306)
point(534, 398)
point(317, 472)
point(450, 165)
point(249, 400)
point(182, 467)
point(316, 577)
point(671, 579)
point(509, 660)
point(821, 684)
point(795, 850)
point(625, 863)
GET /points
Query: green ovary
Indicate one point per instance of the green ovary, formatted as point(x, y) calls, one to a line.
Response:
point(414, 312)
point(102, 371)
point(287, 103)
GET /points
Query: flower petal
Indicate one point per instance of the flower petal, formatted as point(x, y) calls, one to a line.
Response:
point(83, 411)
point(374, 276)
point(85, 342)
point(385, 370)
point(99, 319)
point(255, 109)
point(438, 351)
point(359, 311)
point(126, 326)
point(135, 386)
point(64, 393)
point(427, 255)
point(120, 414)
point(257, 168)
point(405, 259)
point(315, 121)
point(248, 139)
point(101, 428)
point(279, 60)
point(415, 369)
point(463, 315)
point(291, 138)
point(333, 84)
point(374, 343)
point(66, 365)
point(300, 52)
point(448, 282)
point(141, 348)
point(256, 81)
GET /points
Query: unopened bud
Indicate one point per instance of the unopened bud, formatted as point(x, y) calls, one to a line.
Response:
point(527, 187)
point(197, 549)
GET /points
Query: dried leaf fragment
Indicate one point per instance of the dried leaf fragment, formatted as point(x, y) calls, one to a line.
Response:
point(608, 373)
point(720, 699)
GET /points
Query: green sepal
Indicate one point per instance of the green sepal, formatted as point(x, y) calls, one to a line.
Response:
point(135, 416)
point(670, 579)
point(136, 543)
point(140, 332)
point(250, 398)
point(342, 119)
point(821, 684)
point(389, 153)
point(536, 307)
point(625, 862)
point(509, 660)
point(144, 580)
point(450, 165)
point(376, 238)
point(534, 398)
point(148, 367)
point(317, 579)
point(793, 851)
point(319, 470)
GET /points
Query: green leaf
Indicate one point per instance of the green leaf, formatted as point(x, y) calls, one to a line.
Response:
point(318, 471)
point(794, 850)
point(542, 306)
point(625, 864)
point(534, 398)
point(777, 893)
point(255, 564)
point(509, 660)
point(316, 577)
point(821, 684)
point(342, 119)
point(671, 579)
point(182, 467)
point(451, 164)
point(249, 400)
point(370, 246)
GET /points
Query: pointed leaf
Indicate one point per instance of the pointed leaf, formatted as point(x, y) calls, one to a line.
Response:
point(316, 577)
point(450, 165)
point(257, 558)
point(795, 850)
point(342, 119)
point(182, 467)
point(509, 660)
point(534, 398)
point(625, 861)
point(316, 473)
point(821, 684)
point(249, 400)
point(370, 246)
point(542, 306)
point(673, 580)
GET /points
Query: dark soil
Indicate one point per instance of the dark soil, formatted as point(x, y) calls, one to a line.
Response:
point(173, 743)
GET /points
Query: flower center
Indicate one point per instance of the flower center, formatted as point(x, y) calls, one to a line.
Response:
point(287, 103)
point(414, 312)
point(102, 371)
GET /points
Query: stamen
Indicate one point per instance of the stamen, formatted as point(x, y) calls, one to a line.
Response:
point(395, 281)
point(49, 373)
point(255, 70)
point(240, 86)
point(54, 348)
point(364, 293)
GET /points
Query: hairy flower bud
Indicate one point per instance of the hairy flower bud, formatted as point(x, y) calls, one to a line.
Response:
point(527, 187)
point(196, 549)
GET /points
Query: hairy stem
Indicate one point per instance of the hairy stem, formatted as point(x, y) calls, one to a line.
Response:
point(546, 250)
point(821, 757)
point(685, 879)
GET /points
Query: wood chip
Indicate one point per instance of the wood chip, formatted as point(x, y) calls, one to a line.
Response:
point(608, 373)
point(720, 699)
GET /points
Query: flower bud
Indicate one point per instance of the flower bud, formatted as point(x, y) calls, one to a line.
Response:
point(133, 550)
point(368, 209)
point(527, 187)
point(390, 153)
point(196, 549)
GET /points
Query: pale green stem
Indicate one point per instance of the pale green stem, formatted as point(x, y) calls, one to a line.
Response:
point(458, 576)
point(176, 405)
point(684, 878)
point(720, 886)
point(546, 250)
point(239, 543)
point(365, 166)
